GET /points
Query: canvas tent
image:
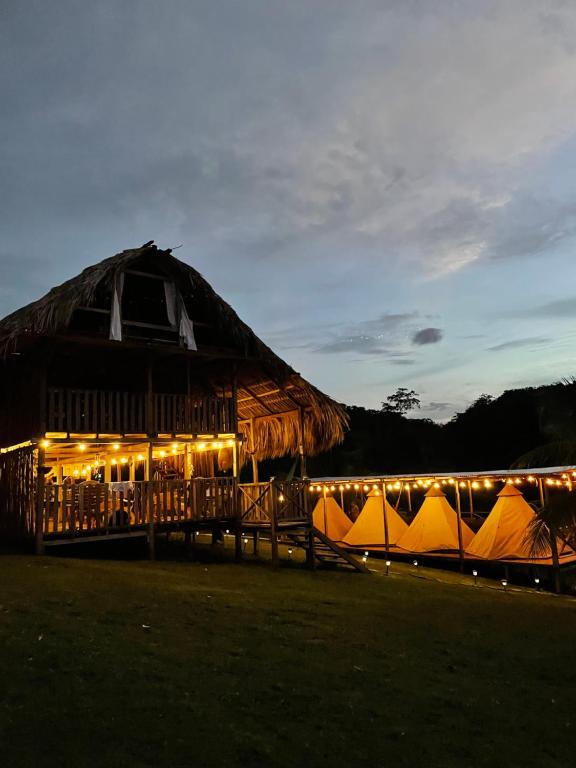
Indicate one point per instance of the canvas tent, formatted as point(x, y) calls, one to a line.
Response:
point(329, 518)
point(435, 527)
point(503, 536)
point(368, 530)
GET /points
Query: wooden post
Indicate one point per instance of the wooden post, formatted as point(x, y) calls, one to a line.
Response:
point(555, 560)
point(150, 427)
point(409, 496)
point(40, 485)
point(324, 510)
point(273, 519)
point(301, 438)
point(151, 530)
point(253, 449)
point(108, 470)
point(237, 507)
point(470, 498)
point(310, 553)
point(459, 521)
point(541, 492)
point(385, 513)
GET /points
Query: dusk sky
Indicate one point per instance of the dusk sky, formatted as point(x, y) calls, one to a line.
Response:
point(385, 191)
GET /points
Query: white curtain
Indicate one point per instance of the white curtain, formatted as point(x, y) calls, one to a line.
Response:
point(116, 313)
point(186, 328)
point(170, 294)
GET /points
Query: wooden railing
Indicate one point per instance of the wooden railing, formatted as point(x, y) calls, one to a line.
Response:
point(87, 411)
point(96, 508)
point(283, 500)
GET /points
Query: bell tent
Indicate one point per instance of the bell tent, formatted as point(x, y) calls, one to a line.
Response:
point(368, 530)
point(329, 518)
point(435, 527)
point(503, 536)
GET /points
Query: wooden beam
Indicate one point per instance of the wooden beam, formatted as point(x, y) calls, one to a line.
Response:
point(257, 398)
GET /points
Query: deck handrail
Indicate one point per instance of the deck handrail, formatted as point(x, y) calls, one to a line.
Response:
point(93, 411)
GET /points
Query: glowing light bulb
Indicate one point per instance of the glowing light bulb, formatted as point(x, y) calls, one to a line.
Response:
point(82, 447)
point(356, 487)
point(116, 447)
point(124, 460)
point(45, 443)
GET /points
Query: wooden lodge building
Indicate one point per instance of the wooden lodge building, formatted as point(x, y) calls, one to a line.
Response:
point(131, 395)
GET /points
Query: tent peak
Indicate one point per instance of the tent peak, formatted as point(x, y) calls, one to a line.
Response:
point(435, 492)
point(509, 490)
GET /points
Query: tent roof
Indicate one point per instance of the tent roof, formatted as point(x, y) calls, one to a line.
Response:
point(368, 530)
point(329, 517)
point(435, 527)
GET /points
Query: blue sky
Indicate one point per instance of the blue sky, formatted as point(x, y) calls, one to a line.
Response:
point(384, 191)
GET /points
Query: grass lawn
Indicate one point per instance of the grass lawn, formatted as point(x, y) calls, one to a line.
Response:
point(172, 663)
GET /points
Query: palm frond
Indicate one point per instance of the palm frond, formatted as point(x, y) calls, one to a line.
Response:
point(556, 454)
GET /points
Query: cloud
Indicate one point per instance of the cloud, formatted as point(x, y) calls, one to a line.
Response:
point(518, 343)
point(427, 336)
point(560, 308)
point(435, 406)
point(380, 336)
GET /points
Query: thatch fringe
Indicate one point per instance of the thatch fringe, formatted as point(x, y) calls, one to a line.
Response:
point(325, 423)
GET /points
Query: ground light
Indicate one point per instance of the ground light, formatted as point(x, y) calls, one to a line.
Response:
point(388, 564)
point(504, 583)
point(475, 574)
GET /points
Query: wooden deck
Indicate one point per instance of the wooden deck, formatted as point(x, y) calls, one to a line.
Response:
point(93, 511)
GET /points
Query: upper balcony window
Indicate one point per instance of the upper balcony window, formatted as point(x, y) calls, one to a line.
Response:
point(144, 300)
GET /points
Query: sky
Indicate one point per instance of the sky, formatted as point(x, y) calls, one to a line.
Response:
point(384, 190)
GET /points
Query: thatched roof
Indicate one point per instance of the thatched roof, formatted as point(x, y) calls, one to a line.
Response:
point(269, 396)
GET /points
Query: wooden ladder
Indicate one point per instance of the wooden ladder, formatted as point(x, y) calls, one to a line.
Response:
point(326, 551)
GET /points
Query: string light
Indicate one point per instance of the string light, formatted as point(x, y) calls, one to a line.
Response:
point(366, 488)
point(116, 447)
point(356, 487)
point(82, 447)
point(45, 443)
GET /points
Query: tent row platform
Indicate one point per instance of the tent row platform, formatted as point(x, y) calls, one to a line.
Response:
point(438, 530)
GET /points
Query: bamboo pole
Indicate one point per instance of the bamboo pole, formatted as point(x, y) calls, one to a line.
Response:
point(385, 513)
point(301, 435)
point(40, 486)
point(273, 518)
point(254, 459)
point(541, 492)
point(237, 510)
point(151, 531)
point(459, 521)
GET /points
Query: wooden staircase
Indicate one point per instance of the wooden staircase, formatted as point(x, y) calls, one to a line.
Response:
point(325, 552)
